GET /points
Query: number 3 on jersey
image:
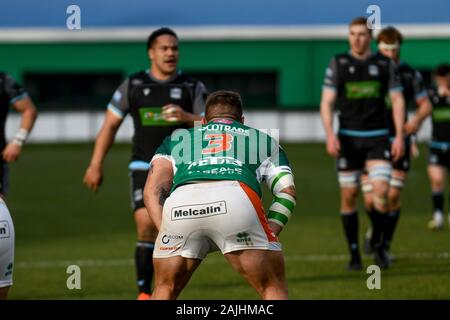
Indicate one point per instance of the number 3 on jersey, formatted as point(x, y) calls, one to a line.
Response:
point(217, 142)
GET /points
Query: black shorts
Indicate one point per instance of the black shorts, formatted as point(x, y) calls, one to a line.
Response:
point(404, 163)
point(439, 156)
point(356, 151)
point(137, 183)
point(4, 186)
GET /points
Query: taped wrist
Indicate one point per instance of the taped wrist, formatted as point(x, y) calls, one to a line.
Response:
point(281, 209)
point(20, 137)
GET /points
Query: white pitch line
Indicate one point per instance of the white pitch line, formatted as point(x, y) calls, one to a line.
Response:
point(130, 262)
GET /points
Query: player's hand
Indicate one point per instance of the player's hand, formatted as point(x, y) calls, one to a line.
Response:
point(412, 126)
point(333, 145)
point(397, 148)
point(415, 150)
point(11, 152)
point(93, 177)
point(174, 113)
point(276, 228)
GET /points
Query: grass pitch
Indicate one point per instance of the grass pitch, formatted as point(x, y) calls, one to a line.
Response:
point(59, 223)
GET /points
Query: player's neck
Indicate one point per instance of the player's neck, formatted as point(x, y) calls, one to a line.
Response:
point(361, 56)
point(222, 118)
point(161, 76)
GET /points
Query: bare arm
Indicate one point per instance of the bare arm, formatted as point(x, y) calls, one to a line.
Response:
point(94, 175)
point(28, 117)
point(326, 113)
point(157, 188)
point(424, 109)
point(398, 114)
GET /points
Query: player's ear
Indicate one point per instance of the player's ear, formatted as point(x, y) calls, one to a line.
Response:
point(242, 119)
point(204, 120)
point(150, 54)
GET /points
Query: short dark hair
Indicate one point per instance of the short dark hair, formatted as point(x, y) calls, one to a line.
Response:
point(390, 35)
point(224, 103)
point(159, 32)
point(443, 70)
point(360, 21)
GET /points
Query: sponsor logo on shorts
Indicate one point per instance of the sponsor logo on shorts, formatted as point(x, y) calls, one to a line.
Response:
point(342, 163)
point(4, 229)
point(9, 270)
point(405, 164)
point(199, 210)
point(244, 237)
point(166, 238)
point(172, 248)
point(138, 195)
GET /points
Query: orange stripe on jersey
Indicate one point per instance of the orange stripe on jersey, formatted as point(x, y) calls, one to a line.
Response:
point(257, 204)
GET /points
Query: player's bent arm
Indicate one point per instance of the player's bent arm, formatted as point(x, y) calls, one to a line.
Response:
point(157, 188)
point(284, 200)
point(398, 114)
point(399, 109)
point(28, 112)
point(326, 113)
point(103, 142)
point(424, 109)
point(326, 109)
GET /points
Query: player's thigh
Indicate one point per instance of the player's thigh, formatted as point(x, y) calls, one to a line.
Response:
point(351, 154)
point(350, 164)
point(4, 293)
point(137, 184)
point(349, 194)
point(259, 267)
point(174, 269)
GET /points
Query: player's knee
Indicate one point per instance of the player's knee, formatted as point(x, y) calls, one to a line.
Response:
point(147, 233)
point(349, 199)
point(275, 291)
point(394, 198)
point(367, 189)
point(437, 185)
point(146, 229)
point(380, 202)
point(169, 284)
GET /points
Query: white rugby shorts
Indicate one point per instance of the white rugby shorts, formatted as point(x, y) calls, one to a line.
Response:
point(208, 216)
point(6, 246)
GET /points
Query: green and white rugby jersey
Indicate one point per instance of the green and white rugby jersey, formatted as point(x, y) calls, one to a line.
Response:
point(225, 150)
